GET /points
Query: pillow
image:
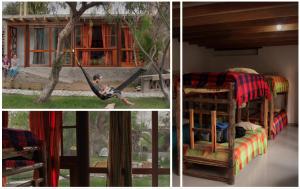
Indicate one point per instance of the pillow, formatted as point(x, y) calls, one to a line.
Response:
point(243, 70)
point(248, 126)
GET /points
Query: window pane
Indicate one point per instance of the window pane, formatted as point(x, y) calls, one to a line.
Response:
point(69, 142)
point(69, 118)
point(142, 180)
point(164, 180)
point(39, 38)
point(98, 134)
point(18, 120)
point(141, 139)
point(39, 58)
point(64, 178)
point(164, 139)
point(98, 179)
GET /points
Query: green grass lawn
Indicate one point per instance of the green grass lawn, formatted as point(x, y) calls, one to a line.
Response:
point(22, 101)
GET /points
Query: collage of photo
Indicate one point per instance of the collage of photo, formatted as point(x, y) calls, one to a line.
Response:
point(150, 94)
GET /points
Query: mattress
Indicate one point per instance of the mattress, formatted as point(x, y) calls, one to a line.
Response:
point(280, 121)
point(247, 86)
point(254, 143)
point(278, 84)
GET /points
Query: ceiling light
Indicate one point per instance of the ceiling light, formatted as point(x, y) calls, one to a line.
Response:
point(279, 27)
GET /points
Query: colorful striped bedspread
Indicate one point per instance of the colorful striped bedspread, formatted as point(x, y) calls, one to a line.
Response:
point(17, 139)
point(247, 86)
point(16, 163)
point(280, 121)
point(278, 84)
point(254, 143)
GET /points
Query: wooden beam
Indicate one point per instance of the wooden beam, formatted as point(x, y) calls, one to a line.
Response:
point(243, 36)
point(230, 7)
point(155, 148)
point(251, 30)
point(82, 143)
point(243, 25)
point(192, 137)
point(259, 14)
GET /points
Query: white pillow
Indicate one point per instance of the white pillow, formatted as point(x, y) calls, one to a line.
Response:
point(243, 70)
point(248, 126)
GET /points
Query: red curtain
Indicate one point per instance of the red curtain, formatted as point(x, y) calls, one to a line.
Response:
point(87, 43)
point(4, 119)
point(106, 38)
point(128, 45)
point(47, 127)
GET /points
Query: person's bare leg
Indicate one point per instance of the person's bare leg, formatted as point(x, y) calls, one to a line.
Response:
point(127, 102)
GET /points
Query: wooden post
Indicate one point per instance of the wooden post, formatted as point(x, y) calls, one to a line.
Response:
point(271, 117)
point(231, 134)
point(178, 127)
point(266, 110)
point(82, 136)
point(27, 46)
point(119, 44)
point(155, 148)
point(239, 114)
point(192, 139)
point(247, 112)
point(213, 130)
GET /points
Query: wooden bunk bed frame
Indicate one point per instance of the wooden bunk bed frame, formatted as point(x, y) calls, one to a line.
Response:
point(272, 106)
point(233, 113)
point(40, 165)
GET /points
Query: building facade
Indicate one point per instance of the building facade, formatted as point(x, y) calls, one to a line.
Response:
point(94, 42)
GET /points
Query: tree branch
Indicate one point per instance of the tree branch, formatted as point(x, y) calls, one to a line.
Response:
point(86, 6)
point(72, 6)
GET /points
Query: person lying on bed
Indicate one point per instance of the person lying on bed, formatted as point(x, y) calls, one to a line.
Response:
point(104, 89)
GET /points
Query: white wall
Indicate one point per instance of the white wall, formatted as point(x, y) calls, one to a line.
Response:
point(282, 60)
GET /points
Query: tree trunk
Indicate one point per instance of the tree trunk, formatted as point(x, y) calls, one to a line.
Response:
point(57, 63)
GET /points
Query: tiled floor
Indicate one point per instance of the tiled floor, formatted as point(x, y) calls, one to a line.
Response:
point(278, 167)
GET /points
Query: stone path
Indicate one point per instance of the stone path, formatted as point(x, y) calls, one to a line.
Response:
point(79, 93)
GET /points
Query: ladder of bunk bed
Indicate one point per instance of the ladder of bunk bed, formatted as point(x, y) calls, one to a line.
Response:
point(40, 167)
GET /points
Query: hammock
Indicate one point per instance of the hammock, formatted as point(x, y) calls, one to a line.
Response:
point(112, 91)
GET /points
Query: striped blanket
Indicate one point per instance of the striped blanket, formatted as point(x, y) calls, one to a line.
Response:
point(278, 84)
point(17, 139)
point(247, 86)
point(254, 143)
point(13, 163)
point(280, 121)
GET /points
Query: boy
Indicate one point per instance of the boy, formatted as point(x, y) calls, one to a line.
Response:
point(104, 89)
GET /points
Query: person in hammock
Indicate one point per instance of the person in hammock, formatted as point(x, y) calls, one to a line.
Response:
point(104, 89)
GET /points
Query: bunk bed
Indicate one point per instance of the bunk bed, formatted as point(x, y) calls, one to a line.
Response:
point(22, 152)
point(215, 98)
point(278, 117)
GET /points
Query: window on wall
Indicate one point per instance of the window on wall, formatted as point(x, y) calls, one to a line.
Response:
point(39, 46)
point(18, 120)
point(98, 146)
point(67, 50)
point(95, 44)
point(127, 51)
point(143, 131)
point(69, 134)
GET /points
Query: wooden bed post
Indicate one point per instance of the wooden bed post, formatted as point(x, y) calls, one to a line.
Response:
point(239, 114)
point(192, 138)
point(266, 110)
point(178, 127)
point(231, 134)
point(271, 116)
point(213, 130)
